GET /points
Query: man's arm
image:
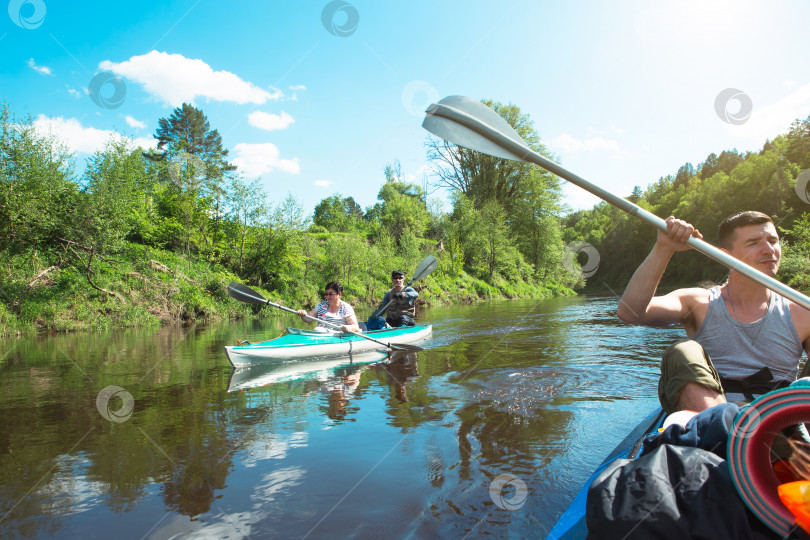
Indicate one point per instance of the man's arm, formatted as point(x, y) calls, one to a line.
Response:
point(409, 292)
point(639, 304)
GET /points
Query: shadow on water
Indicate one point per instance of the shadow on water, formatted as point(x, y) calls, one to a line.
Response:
point(153, 434)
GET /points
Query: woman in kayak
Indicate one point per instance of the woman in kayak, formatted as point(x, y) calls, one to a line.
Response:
point(332, 310)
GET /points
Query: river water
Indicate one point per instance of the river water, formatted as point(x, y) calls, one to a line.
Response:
point(151, 434)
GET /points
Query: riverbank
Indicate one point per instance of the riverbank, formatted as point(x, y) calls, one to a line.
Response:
point(145, 287)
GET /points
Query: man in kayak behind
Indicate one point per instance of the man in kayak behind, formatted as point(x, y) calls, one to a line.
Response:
point(332, 310)
point(402, 311)
point(743, 340)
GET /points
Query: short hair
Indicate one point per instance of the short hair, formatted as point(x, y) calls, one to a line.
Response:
point(725, 232)
point(335, 286)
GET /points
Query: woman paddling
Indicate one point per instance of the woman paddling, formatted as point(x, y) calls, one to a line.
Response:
point(332, 310)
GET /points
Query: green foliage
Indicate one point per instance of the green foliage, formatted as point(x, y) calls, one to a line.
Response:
point(795, 266)
point(797, 144)
point(506, 214)
point(116, 178)
point(704, 196)
point(402, 208)
point(338, 214)
point(194, 160)
point(152, 237)
point(37, 191)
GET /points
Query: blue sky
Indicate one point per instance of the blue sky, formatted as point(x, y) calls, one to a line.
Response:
point(316, 97)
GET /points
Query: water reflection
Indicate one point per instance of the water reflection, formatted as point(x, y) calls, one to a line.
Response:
point(372, 446)
point(400, 369)
point(319, 369)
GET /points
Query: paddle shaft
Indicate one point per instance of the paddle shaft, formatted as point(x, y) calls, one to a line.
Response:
point(337, 327)
point(523, 152)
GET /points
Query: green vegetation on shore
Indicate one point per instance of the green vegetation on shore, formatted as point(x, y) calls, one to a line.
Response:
point(148, 237)
point(150, 287)
point(775, 180)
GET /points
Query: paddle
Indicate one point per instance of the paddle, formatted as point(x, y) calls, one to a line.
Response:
point(425, 267)
point(243, 293)
point(468, 122)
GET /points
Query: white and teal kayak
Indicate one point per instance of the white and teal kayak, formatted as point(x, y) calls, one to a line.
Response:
point(295, 344)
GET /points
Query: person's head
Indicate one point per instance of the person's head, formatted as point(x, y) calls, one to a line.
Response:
point(398, 278)
point(333, 290)
point(727, 227)
point(752, 238)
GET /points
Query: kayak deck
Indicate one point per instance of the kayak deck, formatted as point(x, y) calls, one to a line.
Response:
point(572, 524)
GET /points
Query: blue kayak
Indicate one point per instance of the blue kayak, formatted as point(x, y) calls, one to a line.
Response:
point(571, 524)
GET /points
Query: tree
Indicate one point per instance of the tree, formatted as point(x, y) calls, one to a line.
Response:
point(116, 179)
point(402, 208)
point(338, 214)
point(798, 143)
point(187, 131)
point(479, 176)
point(686, 172)
point(247, 209)
point(37, 191)
point(536, 225)
point(196, 163)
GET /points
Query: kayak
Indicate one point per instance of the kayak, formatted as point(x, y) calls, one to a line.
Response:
point(572, 523)
point(296, 344)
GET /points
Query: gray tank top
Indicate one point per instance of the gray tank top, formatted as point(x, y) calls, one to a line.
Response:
point(738, 350)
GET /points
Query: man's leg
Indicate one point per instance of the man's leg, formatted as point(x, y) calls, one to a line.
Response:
point(695, 397)
point(688, 379)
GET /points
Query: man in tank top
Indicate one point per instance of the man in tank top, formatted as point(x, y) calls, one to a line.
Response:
point(743, 339)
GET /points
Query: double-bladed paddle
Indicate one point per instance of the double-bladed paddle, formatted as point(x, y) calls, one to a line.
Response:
point(425, 267)
point(469, 123)
point(243, 293)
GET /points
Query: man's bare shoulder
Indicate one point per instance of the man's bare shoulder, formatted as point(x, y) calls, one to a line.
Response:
point(801, 319)
point(695, 294)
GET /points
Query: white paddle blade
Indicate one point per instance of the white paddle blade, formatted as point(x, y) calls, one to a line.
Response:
point(469, 123)
point(427, 266)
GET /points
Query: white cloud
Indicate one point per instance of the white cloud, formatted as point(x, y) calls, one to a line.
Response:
point(774, 119)
point(323, 183)
point(81, 139)
point(73, 92)
point(417, 176)
point(175, 79)
point(695, 23)
point(295, 89)
point(612, 130)
point(257, 159)
point(270, 122)
point(132, 122)
point(45, 70)
point(568, 143)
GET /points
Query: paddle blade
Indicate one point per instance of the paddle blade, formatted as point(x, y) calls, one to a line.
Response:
point(243, 293)
point(424, 269)
point(469, 123)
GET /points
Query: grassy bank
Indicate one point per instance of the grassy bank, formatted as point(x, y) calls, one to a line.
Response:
point(149, 287)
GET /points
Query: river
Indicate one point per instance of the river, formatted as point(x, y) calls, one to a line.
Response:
point(150, 433)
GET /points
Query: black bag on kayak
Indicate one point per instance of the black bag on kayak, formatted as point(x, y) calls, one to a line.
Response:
point(672, 492)
point(707, 430)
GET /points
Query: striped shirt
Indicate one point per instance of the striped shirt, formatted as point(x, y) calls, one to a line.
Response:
point(344, 312)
